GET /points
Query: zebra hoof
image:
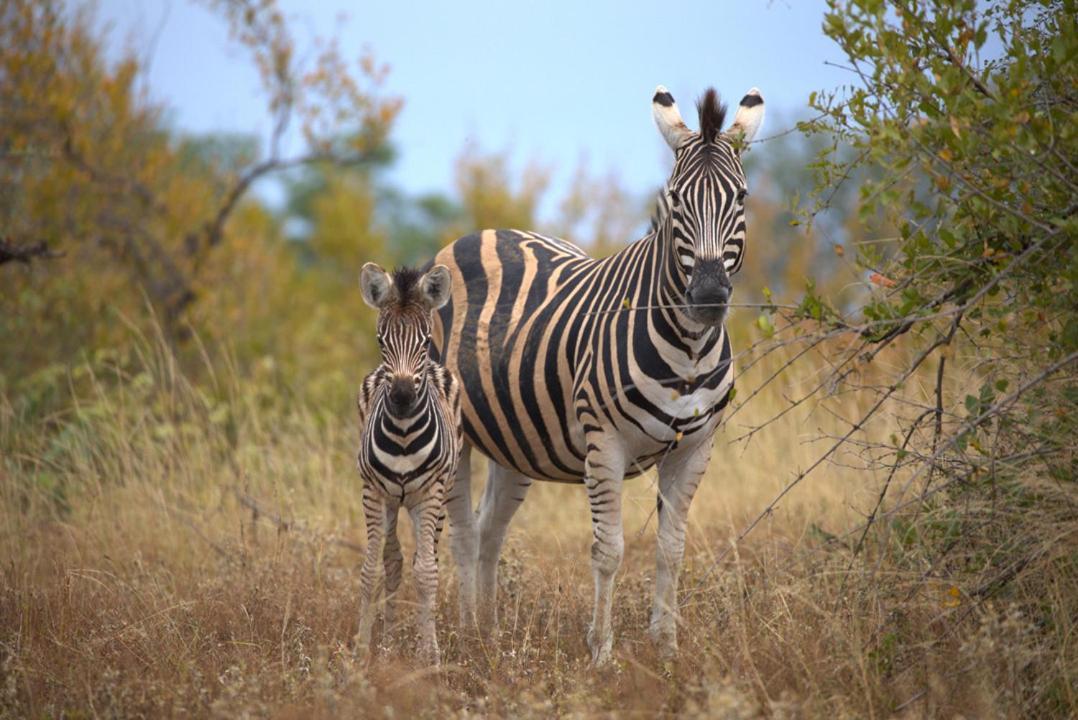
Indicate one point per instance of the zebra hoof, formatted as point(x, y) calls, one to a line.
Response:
point(601, 649)
point(361, 649)
point(665, 641)
point(429, 654)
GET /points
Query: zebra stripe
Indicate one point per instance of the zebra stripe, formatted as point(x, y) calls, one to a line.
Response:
point(410, 442)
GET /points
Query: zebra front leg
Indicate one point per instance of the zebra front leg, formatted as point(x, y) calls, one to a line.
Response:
point(679, 476)
point(605, 474)
point(427, 518)
point(393, 561)
point(505, 491)
point(464, 536)
point(374, 514)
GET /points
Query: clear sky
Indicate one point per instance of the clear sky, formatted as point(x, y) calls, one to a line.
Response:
point(553, 81)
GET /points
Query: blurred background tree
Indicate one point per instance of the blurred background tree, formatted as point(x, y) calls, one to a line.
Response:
point(129, 216)
point(111, 220)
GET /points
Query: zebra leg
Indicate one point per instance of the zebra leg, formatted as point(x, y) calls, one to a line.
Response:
point(605, 473)
point(505, 491)
point(679, 476)
point(465, 535)
point(427, 518)
point(374, 514)
point(393, 560)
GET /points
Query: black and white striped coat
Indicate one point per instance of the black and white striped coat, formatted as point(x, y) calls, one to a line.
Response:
point(577, 369)
point(410, 442)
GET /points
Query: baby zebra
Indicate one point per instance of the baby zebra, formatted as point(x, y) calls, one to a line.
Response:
point(410, 441)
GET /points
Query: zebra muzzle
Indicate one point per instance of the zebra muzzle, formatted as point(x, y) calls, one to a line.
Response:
point(709, 292)
point(402, 396)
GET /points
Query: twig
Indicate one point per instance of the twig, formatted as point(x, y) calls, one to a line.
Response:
point(10, 252)
point(291, 525)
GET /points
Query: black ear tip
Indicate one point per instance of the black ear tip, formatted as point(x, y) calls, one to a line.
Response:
point(663, 98)
point(751, 100)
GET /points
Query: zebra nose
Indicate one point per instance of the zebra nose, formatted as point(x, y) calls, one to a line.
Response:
point(402, 393)
point(709, 292)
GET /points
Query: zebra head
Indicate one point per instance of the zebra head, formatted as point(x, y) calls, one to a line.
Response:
point(405, 301)
point(702, 206)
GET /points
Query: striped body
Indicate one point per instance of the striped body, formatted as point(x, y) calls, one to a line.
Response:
point(549, 342)
point(404, 457)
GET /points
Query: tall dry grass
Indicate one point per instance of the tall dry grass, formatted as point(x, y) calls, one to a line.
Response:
point(137, 579)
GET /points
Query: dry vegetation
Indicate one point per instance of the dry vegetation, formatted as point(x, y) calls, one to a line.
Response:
point(137, 580)
point(186, 542)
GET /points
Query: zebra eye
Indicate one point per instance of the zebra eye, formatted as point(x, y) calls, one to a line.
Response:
point(674, 198)
point(741, 195)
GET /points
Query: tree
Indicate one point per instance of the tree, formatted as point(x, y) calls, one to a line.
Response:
point(89, 171)
point(960, 118)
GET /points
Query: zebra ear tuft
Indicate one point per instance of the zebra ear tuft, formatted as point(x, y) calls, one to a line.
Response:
point(435, 286)
point(668, 118)
point(750, 115)
point(375, 284)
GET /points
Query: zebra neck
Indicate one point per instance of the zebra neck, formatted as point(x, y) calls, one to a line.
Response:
point(668, 303)
point(404, 427)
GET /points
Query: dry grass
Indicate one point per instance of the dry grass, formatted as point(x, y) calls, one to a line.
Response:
point(135, 583)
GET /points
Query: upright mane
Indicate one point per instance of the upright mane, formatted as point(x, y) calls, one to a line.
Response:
point(406, 282)
point(712, 115)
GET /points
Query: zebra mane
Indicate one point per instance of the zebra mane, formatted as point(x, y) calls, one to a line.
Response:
point(712, 115)
point(406, 282)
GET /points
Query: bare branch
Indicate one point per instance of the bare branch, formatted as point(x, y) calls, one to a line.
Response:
point(24, 253)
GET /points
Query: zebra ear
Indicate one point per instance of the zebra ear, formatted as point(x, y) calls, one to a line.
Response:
point(375, 284)
point(668, 118)
point(750, 115)
point(435, 286)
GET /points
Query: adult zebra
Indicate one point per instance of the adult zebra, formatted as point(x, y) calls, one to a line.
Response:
point(583, 370)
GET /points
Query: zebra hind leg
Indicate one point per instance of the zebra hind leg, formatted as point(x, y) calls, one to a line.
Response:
point(505, 491)
point(464, 536)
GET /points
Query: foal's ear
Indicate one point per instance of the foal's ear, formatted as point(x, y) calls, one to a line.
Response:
point(435, 286)
point(750, 115)
point(375, 284)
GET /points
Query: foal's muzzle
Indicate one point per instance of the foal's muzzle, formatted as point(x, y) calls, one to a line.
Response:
point(402, 396)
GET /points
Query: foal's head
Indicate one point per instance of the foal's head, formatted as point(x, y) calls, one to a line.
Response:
point(405, 301)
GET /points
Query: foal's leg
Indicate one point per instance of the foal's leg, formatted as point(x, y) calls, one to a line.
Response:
point(374, 514)
point(393, 560)
point(427, 518)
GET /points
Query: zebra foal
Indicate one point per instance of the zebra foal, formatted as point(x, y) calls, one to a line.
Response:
point(410, 442)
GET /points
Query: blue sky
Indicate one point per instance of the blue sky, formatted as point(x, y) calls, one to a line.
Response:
point(553, 81)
